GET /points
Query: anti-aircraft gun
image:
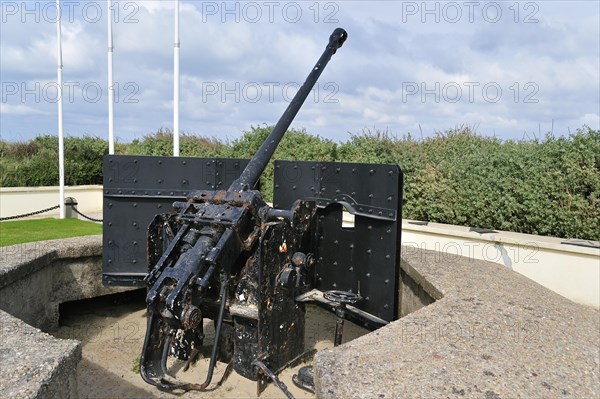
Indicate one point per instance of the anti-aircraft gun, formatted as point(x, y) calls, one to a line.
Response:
point(225, 255)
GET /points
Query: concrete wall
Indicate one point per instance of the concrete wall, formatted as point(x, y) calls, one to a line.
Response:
point(35, 278)
point(415, 291)
point(572, 271)
point(20, 200)
point(36, 365)
point(492, 334)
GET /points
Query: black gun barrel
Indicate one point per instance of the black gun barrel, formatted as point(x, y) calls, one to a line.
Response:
point(258, 163)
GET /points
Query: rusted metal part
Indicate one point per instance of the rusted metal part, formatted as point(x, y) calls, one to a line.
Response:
point(223, 254)
point(305, 379)
point(228, 256)
point(280, 384)
point(276, 330)
point(246, 312)
point(191, 317)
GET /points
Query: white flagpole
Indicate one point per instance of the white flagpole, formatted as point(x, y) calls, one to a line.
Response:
point(61, 149)
point(176, 83)
point(111, 87)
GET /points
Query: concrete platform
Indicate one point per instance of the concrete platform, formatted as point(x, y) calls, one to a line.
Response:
point(34, 364)
point(482, 331)
point(470, 328)
point(35, 278)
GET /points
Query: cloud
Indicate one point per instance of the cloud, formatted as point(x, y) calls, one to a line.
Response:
point(402, 69)
point(589, 120)
point(21, 110)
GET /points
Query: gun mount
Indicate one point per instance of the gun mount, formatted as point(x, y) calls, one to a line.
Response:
point(227, 256)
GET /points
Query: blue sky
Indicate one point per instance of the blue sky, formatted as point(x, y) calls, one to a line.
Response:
point(510, 69)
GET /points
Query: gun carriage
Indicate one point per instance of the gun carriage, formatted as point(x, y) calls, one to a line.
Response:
point(226, 255)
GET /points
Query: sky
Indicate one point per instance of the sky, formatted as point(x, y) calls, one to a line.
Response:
point(508, 69)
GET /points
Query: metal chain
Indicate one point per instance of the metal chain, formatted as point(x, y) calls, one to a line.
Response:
point(85, 216)
point(29, 214)
point(47, 210)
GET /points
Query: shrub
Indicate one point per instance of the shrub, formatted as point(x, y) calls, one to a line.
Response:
point(548, 187)
point(295, 145)
point(36, 163)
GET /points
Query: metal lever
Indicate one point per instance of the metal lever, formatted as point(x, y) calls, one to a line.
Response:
point(341, 298)
point(305, 377)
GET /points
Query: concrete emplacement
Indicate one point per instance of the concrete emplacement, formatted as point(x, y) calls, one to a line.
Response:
point(468, 328)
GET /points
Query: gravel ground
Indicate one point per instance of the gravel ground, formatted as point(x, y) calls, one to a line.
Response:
point(112, 329)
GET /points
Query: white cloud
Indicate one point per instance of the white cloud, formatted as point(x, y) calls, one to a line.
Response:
point(591, 120)
point(20, 110)
point(558, 57)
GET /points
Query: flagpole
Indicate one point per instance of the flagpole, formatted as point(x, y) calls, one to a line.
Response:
point(111, 86)
point(176, 83)
point(61, 149)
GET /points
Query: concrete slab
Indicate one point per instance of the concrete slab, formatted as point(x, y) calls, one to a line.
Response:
point(491, 333)
point(35, 364)
point(36, 277)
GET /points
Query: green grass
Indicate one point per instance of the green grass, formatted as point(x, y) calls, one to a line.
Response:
point(135, 365)
point(18, 232)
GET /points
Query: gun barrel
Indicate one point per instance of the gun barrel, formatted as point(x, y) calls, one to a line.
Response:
point(258, 163)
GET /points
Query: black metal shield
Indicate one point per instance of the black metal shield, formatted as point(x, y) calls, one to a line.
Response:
point(136, 188)
point(362, 252)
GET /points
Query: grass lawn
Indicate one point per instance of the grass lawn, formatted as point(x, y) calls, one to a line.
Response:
point(18, 232)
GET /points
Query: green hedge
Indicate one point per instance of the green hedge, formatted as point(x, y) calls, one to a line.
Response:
point(35, 163)
point(549, 186)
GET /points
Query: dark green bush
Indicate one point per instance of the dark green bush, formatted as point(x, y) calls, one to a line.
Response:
point(161, 143)
point(35, 163)
point(548, 187)
point(296, 145)
point(81, 160)
point(30, 164)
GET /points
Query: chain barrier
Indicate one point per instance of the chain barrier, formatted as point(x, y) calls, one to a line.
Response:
point(24, 215)
point(29, 214)
point(84, 216)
